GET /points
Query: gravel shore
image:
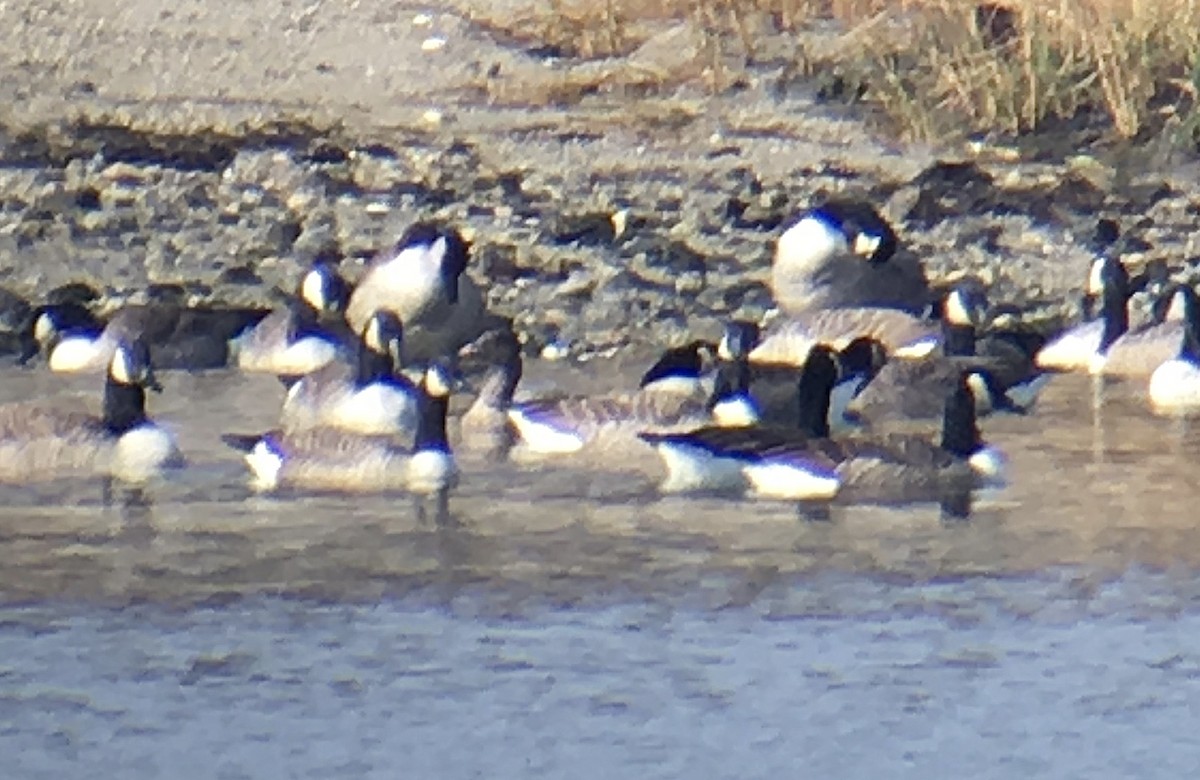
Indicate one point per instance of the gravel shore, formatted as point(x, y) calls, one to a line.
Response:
point(211, 149)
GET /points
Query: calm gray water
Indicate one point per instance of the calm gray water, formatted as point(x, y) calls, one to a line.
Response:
point(565, 624)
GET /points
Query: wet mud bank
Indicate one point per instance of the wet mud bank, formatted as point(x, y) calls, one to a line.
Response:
point(619, 214)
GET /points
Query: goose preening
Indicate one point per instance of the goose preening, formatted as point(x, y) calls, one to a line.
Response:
point(843, 254)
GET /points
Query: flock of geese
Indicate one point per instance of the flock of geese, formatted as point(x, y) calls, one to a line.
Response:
point(839, 397)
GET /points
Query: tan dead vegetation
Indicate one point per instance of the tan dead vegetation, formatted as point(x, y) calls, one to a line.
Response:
point(935, 68)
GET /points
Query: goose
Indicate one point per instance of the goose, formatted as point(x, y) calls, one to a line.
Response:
point(679, 369)
point(192, 338)
point(772, 387)
point(915, 389)
point(609, 424)
point(328, 459)
point(803, 465)
point(304, 335)
point(368, 397)
point(901, 334)
point(422, 280)
point(1105, 345)
point(715, 458)
point(484, 428)
point(39, 441)
point(1175, 385)
point(843, 254)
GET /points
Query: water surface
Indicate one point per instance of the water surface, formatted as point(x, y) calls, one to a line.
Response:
point(562, 623)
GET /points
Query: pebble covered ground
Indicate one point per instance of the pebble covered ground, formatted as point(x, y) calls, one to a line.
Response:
point(151, 148)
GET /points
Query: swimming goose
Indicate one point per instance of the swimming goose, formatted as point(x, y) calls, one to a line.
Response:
point(369, 397)
point(843, 254)
point(191, 338)
point(609, 424)
point(422, 280)
point(772, 387)
point(715, 458)
point(1105, 345)
point(484, 428)
point(915, 389)
point(334, 460)
point(900, 333)
point(796, 465)
point(1175, 385)
point(679, 369)
point(304, 335)
point(38, 441)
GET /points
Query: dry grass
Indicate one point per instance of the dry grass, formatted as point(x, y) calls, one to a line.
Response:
point(1024, 65)
point(941, 67)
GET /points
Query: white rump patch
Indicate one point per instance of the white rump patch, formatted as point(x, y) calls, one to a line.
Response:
point(922, 347)
point(693, 468)
point(1175, 386)
point(791, 479)
point(544, 437)
point(265, 464)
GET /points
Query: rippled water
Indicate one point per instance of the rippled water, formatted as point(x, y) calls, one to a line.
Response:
point(567, 624)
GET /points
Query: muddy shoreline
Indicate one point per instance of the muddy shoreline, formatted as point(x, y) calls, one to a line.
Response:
point(621, 215)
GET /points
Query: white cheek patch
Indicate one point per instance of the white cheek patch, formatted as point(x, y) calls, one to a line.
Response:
point(43, 328)
point(1096, 278)
point(372, 337)
point(437, 384)
point(866, 245)
point(313, 290)
point(1177, 312)
point(958, 312)
point(981, 393)
point(723, 350)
